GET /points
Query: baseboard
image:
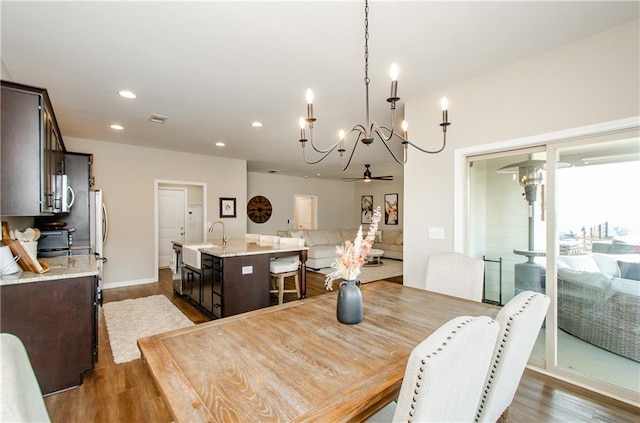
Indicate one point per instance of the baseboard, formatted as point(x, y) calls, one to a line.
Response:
point(123, 284)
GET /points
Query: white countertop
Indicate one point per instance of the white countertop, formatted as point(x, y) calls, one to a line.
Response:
point(59, 268)
point(240, 247)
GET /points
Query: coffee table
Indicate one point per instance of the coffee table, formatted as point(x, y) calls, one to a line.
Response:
point(374, 257)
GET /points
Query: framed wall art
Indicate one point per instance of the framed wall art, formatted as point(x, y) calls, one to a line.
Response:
point(391, 209)
point(366, 208)
point(227, 207)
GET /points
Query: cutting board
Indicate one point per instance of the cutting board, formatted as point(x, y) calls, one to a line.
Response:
point(27, 261)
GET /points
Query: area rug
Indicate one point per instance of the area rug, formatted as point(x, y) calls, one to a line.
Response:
point(129, 320)
point(389, 269)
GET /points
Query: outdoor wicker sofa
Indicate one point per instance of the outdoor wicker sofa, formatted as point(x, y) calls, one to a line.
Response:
point(596, 305)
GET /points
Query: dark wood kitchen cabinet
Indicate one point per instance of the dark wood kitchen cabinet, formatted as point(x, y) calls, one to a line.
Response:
point(57, 320)
point(78, 167)
point(234, 285)
point(192, 283)
point(32, 153)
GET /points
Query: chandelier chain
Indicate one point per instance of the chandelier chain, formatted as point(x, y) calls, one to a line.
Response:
point(366, 42)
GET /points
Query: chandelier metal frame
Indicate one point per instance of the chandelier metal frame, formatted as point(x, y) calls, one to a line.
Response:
point(365, 133)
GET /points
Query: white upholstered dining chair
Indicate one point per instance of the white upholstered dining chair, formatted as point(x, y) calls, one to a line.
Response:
point(445, 373)
point(455, 274)
point(520, 321)
point(284, 267)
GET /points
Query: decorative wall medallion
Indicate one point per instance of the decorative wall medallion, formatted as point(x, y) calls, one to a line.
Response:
point(259, 209)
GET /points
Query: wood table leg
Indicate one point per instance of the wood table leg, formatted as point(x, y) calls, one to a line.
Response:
point(303, 274)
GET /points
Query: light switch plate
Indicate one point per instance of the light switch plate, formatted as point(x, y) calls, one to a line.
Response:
point(436, 233)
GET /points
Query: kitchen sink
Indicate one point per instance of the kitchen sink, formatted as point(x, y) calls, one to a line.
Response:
point(191, 254)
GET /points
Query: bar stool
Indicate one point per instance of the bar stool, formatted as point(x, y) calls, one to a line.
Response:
point(283, 267)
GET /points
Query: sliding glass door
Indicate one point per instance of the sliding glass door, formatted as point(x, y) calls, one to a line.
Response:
point(598, 261)
point(506, 224)
point(563, 218)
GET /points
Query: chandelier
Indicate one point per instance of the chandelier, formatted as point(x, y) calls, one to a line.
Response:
point(365, 133)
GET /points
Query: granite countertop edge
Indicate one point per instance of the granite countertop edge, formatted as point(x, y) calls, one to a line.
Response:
point(59, 268)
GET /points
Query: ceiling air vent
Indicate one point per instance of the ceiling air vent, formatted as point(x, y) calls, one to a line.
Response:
point(158, 118)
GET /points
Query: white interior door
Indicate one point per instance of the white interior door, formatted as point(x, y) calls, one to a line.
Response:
point(305, 214)
point(172, 210)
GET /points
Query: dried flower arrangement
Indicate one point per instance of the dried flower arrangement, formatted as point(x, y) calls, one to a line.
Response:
point(353, 255)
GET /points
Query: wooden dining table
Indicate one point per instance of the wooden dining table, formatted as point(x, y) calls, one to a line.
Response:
point(295, 361)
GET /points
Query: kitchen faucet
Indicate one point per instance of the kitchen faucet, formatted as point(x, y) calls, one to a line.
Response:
point(224, 236)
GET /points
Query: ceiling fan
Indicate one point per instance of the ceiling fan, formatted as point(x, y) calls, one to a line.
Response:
point(367, 177)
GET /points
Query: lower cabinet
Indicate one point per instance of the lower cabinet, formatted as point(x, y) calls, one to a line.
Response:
point(229, 285)
point(192, 283)
point(57, 320)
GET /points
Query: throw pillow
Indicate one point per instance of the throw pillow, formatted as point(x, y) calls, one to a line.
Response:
point(583, 263)
point(296, 234)
point(389, 236)
point(399, 239)
point(334, 237)
point(283, 234)
point(316, 237)
point(348, 234)
point(608, 263)
point(629, 270)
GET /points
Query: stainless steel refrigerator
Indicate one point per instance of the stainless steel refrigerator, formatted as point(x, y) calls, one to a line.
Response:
point(99, 229)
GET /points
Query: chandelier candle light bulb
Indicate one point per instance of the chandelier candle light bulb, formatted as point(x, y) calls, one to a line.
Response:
point(393, 73)
point(302, 125)
point(309, 96)
point(405, 126)
point(341, 135)
point(444, 103)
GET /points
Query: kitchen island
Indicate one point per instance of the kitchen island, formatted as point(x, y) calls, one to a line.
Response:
point(55, 315)
point(232, 279)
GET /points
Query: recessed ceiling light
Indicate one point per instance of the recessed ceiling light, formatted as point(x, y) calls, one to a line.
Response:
point(117, 127)
point(127, 94)
point(256, 124)
point(220, 144)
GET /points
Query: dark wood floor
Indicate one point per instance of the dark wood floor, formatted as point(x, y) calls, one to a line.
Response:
point(126, 393)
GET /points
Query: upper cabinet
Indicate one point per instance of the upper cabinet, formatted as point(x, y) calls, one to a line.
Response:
point(32, 154)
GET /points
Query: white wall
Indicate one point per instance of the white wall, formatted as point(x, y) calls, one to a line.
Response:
point(4, 72)
point(127, 175)
point(590, 81)
point(335, 201)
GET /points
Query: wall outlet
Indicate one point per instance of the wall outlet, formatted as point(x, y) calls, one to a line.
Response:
point(436, 233)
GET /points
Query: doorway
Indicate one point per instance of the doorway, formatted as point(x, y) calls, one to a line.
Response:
point(306, 212)
point(173, 221)
point(172, 207)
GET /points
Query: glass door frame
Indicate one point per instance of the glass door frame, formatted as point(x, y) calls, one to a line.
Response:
point(552, 142)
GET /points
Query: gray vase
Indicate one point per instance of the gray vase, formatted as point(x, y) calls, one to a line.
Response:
point(349, 309)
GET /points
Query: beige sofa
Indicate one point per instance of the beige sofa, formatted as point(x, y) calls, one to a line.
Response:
point(391, 241)
point(322, 243)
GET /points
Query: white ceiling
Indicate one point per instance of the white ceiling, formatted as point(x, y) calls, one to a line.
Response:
point(214, 67)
